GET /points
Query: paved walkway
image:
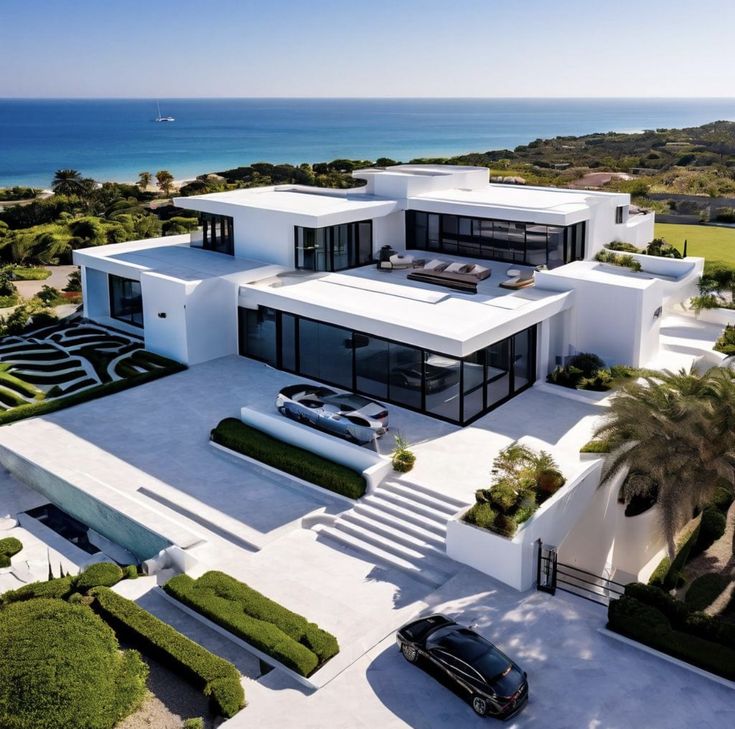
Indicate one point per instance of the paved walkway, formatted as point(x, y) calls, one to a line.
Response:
point(579, 678)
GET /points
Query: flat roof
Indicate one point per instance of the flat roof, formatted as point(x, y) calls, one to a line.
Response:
point(172, 257)
point(519, 197)
point(602, 273)
point(294, 199)
point(392, 306)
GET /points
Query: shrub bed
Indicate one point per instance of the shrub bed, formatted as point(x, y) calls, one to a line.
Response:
point(216, 677)
point(100, 574)
point(61, 667)
point(59, 588)
point(108, 388)
point(235, 435)
point(268, 626)
point(522, 481)
point(30, 274)
point(663, 623)
point(704, 590)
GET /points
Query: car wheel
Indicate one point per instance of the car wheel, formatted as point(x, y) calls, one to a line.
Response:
point(409, 653)
point(479, 706)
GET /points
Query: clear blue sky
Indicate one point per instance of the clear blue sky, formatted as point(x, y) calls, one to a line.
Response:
point(184, 48)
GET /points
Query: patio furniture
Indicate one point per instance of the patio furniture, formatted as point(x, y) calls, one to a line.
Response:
point(401, 261)
point(458, 276)
point(519, 279)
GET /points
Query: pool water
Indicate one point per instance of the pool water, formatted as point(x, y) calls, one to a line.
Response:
point(66, 526)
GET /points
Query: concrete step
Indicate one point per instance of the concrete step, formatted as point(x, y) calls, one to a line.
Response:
point(425, 557)
point(397, 532)
point(435, 501)
point(426, 574)
point(419, 488)
point(391, 520)
point(410, 504)
point(406, 514)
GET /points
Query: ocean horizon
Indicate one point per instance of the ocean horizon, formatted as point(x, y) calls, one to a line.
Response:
point(115, 139)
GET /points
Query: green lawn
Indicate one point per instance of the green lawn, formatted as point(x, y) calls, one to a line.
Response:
point(715, 244)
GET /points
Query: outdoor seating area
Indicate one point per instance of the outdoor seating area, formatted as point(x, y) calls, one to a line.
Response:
point(452, 274)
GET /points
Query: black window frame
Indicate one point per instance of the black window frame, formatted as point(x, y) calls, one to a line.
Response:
point(114, 281)
point(496, 239)
point(218, 233)
point(331, 235)
point(355, 340)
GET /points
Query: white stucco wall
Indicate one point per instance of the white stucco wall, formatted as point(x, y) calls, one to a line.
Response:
point(513, 561)
point(211, 307)
point(164, 335)
point(95, 293)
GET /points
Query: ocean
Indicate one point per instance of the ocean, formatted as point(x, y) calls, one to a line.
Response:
point(115, 139)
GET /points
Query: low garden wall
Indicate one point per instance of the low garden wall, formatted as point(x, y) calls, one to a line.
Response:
point(372, 465)
point(513, 560)
point(717, 316)
point(683, 272)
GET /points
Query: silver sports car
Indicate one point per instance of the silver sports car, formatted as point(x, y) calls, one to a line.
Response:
point(347, 415)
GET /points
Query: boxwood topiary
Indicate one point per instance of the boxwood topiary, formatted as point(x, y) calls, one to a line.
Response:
point(61, 667)
point(704, 590)
point(99, 574)
point(58, 588)
point(712, 526)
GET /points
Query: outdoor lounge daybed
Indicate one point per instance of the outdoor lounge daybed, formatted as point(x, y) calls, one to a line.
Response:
point(459, 276)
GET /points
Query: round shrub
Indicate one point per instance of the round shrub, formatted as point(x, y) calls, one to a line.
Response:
point(723, 497)
point(10, 546)
point(61, 667)
point(503, 496)
point(704, 590)
point(588, 362)
point(130, 572)
point(100, 574)
point(711, 527)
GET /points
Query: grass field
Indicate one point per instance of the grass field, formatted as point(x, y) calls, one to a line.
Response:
point(715, 244)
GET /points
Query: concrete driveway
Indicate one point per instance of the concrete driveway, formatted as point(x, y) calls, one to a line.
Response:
point(579, 678)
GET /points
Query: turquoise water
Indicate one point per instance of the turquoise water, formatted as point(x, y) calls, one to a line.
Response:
point(116, 139)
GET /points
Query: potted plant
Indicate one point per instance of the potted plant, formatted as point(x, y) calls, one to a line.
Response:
point(403, 458)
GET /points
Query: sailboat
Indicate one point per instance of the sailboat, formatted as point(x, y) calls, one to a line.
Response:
point(160, 118)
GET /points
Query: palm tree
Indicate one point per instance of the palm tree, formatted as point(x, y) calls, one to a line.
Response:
point(673, 432)
point(68, 182)
point(144, 180)
point(165, 181)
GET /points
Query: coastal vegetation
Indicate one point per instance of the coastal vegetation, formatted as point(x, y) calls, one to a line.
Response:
point(698, 162)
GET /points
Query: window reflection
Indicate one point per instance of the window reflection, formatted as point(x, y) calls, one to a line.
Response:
point(126, 300)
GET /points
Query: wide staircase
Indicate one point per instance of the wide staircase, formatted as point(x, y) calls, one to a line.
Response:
point(402, 525)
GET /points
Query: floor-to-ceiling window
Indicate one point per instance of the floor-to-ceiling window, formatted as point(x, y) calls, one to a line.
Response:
point(218, 233)
point(126, 300)
point(530, 244)
point(334, 248)
point(451, 388)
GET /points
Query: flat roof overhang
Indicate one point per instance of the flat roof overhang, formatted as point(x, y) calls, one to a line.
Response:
point(450, 324)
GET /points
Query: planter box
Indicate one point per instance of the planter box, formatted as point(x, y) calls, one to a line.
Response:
point(513, 560)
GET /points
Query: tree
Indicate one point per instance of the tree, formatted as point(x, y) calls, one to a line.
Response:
point(674, 433)
point(164, 179)
point(71, 182)
point(144, 180)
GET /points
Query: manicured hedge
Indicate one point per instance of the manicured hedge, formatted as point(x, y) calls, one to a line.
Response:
point(644, 623)
point(61, 587)
point(268, 626)
point(61, 667)
point(712, 525)
point(218, 678)
point(234, 434)
point(704, 590)
point(48, 406)
point(100, 574)
point(668, 574)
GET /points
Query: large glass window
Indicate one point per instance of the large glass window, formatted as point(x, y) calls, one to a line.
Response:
point(451, 388)
point(218, 233)
point(258, 333)
point(334, 248)
point(524, 243)
point(126, 300)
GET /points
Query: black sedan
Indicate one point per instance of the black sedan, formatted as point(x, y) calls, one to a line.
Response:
point(495, 685)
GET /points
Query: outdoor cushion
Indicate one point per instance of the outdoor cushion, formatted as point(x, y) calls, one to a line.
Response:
point(434, 263)
point(455, 267)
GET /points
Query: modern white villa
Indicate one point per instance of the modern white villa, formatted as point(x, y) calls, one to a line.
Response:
point(427, 287)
